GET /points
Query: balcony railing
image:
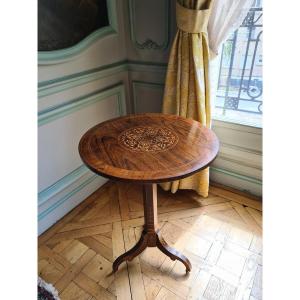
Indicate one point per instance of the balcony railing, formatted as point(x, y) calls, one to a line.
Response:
point(240, 85)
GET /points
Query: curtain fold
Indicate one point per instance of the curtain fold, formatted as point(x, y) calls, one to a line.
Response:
point(187, 87)
point(187, 81)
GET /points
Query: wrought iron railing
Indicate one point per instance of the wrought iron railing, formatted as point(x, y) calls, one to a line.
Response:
point(240, 85)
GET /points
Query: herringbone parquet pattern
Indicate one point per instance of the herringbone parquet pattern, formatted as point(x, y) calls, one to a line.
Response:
point(221, 235)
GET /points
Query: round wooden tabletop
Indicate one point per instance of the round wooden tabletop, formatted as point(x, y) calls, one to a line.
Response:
point(148, 148)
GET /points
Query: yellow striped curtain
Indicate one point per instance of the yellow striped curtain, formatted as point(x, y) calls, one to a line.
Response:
point(187, 81)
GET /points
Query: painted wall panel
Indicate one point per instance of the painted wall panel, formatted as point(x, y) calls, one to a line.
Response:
point(106, 51)
point(78, 88)
point(97, 50)
point(149, 31)
point(58, 153)
point(232, 180)
point(147, 96)
point(238, 166)
point(239, 135)
point(150, 27)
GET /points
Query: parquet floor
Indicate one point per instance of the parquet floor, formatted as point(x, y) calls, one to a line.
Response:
point(221, 235)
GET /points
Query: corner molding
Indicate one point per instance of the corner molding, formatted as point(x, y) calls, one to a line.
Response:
point(148, 43)
point(64, 55)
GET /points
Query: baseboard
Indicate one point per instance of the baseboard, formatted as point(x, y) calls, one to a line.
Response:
point(62, 201)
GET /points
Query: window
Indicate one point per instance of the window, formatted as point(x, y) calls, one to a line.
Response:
point(239, 84)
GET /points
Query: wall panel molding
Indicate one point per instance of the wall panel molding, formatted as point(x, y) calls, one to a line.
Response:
point(245, 128)
point(232, 179)
point(146, 66)
point(61, 184)
point(63, 202)
point(52, 113)
point(79, 185)
point(240, 148)
point(143, 84)
point(58, 198)
point(237, 175)
point(64, 55)
point(149, 43)
point(239, 163)
point(57, 85)
point(232, 159)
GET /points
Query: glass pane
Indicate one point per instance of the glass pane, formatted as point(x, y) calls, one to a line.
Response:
point(240, 84)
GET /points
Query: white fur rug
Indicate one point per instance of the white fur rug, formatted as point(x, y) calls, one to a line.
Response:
point(49, 288)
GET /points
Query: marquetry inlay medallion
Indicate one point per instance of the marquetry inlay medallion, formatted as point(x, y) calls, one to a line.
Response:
point(148, 139)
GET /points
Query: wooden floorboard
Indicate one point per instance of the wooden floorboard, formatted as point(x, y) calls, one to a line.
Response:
point(220, 234)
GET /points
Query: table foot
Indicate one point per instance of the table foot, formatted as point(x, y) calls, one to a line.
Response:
point(147, 240)
point(132, 253)
point(172, 253)
point(151, 236)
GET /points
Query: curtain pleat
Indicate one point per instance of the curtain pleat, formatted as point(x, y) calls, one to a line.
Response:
point(187, 82)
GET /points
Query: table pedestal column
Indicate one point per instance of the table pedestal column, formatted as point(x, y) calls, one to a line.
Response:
point(151, 236)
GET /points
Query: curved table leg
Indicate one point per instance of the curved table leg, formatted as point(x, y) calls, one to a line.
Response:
point(132, 253)
point(150, 236)
point(172, 253)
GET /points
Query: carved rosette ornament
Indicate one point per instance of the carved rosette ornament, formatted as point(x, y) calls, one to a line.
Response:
point(148, 139)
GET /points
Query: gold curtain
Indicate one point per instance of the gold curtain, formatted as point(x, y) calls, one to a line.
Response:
point(187, 82)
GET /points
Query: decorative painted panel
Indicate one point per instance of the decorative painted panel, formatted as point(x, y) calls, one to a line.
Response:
point(64, 51)
point(150, 24)
point(62, 24)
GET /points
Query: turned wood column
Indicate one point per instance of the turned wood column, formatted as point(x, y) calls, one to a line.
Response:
point(150, 213)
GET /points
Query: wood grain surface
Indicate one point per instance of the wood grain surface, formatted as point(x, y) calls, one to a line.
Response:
point(148, 148)
point(215, 233)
